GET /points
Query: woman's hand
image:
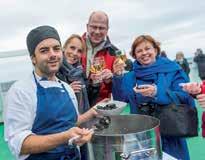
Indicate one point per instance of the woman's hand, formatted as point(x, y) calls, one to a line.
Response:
point(192, 88)
point(201, 100)
point(76, 86)
point(147, 90)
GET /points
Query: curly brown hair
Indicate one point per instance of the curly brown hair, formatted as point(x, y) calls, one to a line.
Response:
point(144, 38)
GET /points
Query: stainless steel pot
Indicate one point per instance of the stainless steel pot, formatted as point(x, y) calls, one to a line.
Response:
point(129, 137)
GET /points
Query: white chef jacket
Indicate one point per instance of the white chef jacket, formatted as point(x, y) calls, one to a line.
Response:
point(20, 110)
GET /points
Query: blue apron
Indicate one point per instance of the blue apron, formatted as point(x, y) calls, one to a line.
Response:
point(55, 113)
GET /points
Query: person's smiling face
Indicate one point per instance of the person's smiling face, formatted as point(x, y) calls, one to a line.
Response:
point(73, 51)
point(97, 28)
point(48, 57)
point(145, 53)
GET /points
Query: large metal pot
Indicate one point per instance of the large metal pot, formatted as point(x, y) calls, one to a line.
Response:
point(130, 137)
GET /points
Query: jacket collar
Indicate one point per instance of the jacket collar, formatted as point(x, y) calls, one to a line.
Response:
point(107, 43)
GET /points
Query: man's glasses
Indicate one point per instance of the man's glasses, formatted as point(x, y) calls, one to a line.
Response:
point(93, 27)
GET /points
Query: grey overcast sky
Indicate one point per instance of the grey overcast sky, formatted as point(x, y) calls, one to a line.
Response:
point(178, 24)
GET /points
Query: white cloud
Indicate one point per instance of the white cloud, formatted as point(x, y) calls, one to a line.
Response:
point(176, 24)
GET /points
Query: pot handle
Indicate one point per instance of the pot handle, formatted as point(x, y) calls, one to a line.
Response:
point(148, 152)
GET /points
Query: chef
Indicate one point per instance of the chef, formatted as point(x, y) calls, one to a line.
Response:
point(41, 111)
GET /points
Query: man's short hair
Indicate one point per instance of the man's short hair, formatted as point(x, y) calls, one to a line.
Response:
point(91, 15)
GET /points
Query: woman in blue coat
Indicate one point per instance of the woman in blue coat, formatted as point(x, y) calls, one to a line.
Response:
point(148, 83)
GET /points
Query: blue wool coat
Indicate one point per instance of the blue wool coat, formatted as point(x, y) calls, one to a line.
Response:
point(165, 74)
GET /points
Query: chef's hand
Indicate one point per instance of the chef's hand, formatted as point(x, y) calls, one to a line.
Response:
point(84, 135)
point(148, 90)
point(192, 88)
point(92, 113)
point(88, 115)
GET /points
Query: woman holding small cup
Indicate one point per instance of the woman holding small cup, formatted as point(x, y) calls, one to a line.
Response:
point(71, 70)
point(148, 83)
